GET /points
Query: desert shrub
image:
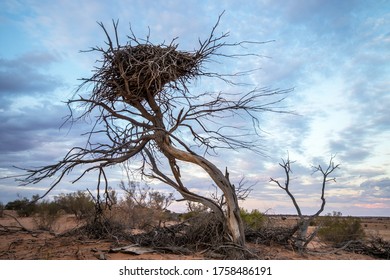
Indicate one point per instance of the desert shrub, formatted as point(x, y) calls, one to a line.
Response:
point(142, 217)
point(102, 227)
point(139, 217)
point(1, 209)
point(78, 203)
point(193, 209)
point(337, 229)
point(46, 213)
point(23, 206)
point(253, 220)
point(146, 208)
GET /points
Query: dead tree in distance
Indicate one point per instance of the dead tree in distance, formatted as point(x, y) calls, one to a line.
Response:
point(140, 98)
point(303, 239)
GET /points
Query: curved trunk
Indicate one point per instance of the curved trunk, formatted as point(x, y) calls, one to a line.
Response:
point(178, 186)
point(233, 218)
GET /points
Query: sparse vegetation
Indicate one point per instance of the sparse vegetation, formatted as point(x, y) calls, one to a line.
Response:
point(143, 207)
point(1, 209)
point(201, 234)
point(23, 206)
point(337, 229)
point(193, 209)
point(253, 220)
point(78, 203)
point(46, 213)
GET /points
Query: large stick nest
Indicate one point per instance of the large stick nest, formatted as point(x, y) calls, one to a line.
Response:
point(136, 73)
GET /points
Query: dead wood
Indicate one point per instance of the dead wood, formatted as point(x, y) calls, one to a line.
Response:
point(375, 247)
point(132, 249)
point(270, 235)
point(194, 233)
point(203, 233)
point(15, 228)
point(334, 251)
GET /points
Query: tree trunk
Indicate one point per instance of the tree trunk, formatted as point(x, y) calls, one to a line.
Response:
point(302, 234)
point(232, 218)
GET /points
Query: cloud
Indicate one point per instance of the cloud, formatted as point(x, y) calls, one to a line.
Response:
point(32, 136)
point(301, 10)
point(350, 149)
point(23, 75)
point(378, 205)
point(376, 188)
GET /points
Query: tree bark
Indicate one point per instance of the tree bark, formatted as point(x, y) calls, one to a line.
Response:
point(233, 218)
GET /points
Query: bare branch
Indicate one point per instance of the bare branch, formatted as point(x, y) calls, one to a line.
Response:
point(179, 186)
point(303, 240)
point(286, 165)
point(242, 191)
point(325, 173)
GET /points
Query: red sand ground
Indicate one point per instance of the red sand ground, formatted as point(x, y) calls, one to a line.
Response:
point(17, 244)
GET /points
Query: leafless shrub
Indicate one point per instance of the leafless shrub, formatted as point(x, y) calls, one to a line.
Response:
point(104, 228)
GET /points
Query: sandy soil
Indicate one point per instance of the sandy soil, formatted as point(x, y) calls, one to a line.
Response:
point(37, 244)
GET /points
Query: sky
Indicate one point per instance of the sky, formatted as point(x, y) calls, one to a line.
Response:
point(335, 55)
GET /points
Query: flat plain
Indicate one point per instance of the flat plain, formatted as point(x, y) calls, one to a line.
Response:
point(20, 239)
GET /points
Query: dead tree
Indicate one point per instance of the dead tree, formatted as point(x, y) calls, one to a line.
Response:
point(140, 97)
point(302, 238)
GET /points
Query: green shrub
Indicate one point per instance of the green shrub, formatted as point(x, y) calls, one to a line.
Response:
point(78, 203)
point(1, 209)
point(337, 229)
point(23, 207)
point(194, 209)
point(253, 220)
point(46, 213)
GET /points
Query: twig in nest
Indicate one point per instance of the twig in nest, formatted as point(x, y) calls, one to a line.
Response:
point(137, 73)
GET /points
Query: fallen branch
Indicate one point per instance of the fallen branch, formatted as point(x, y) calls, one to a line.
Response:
point(21, 226)
point(331, 252)
point(375, 247)
point(270, 235)
point(132, 249)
